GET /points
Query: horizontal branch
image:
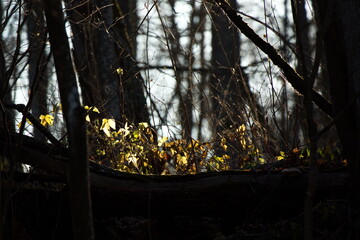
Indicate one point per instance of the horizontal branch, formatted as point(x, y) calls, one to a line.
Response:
point(144, 66)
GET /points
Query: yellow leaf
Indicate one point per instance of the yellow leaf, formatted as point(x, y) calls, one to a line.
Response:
point(136, 134)
point(112, 123)
point(193, 144)
point(181, 160)
point(261, 160)
point(223, 144)
point(106, 125)
point(243, 142)
point(124, 131)
point(241, 129)
point(281, 157)
point(120, 71)
point(46, 120)
point(173, 151)
point(132, 158)
point(162, 141)
point(225, 156)
point(143, 125)
point(94, 109)
point(100, 152)
point(220, 159)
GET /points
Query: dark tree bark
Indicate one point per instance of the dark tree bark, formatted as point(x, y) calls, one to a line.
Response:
point(101, 46)
point(310, 128)
point(84, 32)
point(231, 93)
point(132, 96)
point(340, 25)
point(227, 102)
point(78, 174)
point(107, 61)
point(227, 83)
point(303, 57)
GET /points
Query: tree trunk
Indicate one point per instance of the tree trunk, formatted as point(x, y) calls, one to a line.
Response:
point(227, 102)
point(226, 63)
point(100, 49)
point(303, 57)
point(78, 173)
point(84, 33)
point(340, 25)
point(230, 88)
point(107, 59)
point(132, 94)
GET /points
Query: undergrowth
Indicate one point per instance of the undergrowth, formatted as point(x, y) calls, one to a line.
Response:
point(137, 149)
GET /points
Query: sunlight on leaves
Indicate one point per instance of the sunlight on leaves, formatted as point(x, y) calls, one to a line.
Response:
point(223, 144)
point(120, 71)
point(162, 141)
point(181, 160)
point(106, 125)
point(143, 125)
point(133, 159)
point(46, 120)
point(136, 149)
point(94, 109)
point(241, 129)
point(124, 131)
point(281, 156)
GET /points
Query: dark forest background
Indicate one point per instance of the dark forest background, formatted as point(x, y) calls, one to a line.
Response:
point(200, 85)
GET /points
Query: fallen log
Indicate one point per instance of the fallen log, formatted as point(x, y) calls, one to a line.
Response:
point(230, 194)
point(182, 205)
point(242, 194)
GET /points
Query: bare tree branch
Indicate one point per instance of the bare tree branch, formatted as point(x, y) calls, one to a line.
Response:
point(292, 77)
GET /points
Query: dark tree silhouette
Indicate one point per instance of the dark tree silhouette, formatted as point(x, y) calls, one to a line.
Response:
point(339, 24)
point(78, 172)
